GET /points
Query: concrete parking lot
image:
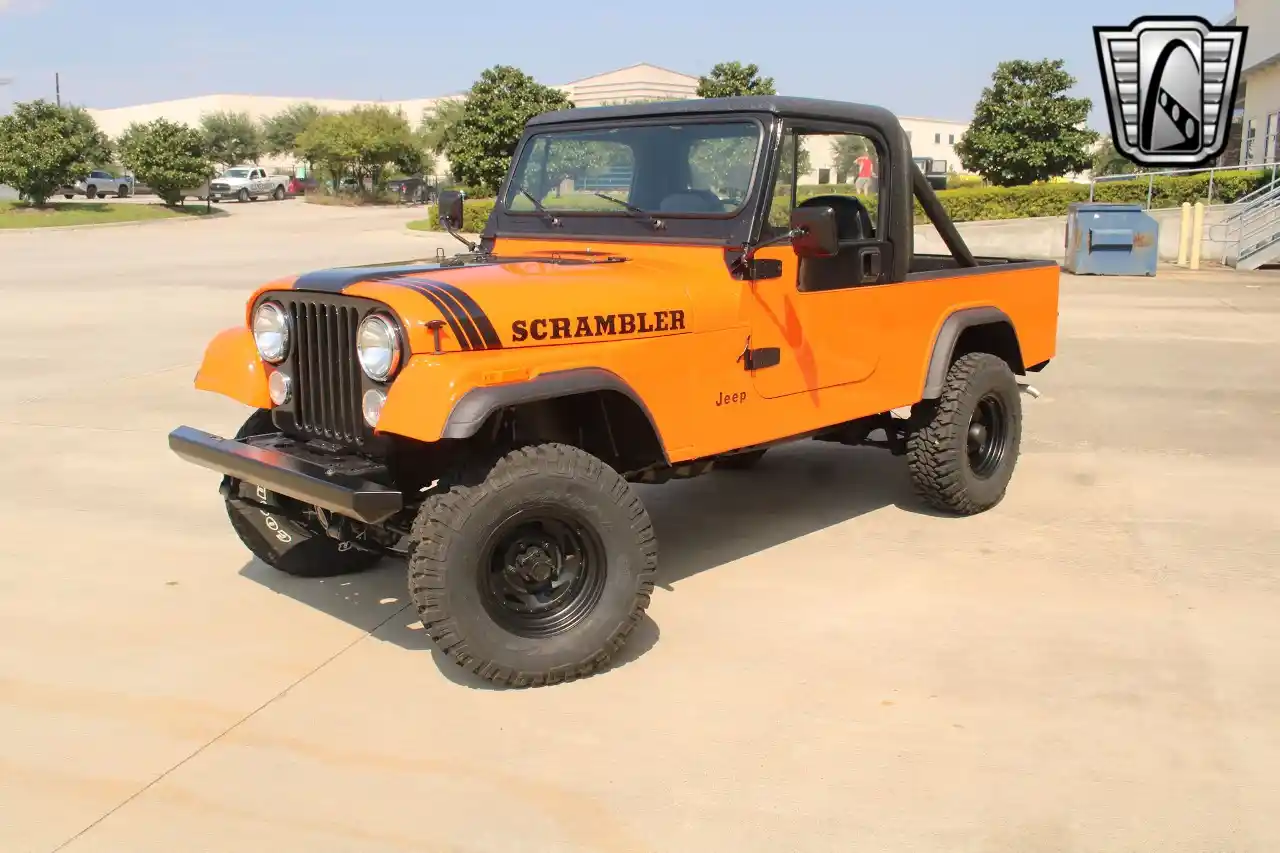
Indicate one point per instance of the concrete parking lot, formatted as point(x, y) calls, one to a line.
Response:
point(1093, 666)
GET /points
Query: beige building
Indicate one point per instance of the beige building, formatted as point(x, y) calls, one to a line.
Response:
point(1260, 80)
point(934, 138)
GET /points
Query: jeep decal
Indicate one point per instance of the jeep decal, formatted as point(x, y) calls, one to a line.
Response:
point(600, 325)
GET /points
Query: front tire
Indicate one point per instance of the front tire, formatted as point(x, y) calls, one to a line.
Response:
point(963, 447)
point(281, 542)
point(535, 569)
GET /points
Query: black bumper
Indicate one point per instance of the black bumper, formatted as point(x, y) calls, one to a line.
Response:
point(310, 480)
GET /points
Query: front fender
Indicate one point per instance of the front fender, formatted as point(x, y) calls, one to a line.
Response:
point(232, 368)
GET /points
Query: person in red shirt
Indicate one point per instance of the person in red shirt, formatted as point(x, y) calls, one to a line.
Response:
point(865, 171)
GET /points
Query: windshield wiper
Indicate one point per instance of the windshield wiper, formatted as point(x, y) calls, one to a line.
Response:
point(637, 212)
point(537, 205)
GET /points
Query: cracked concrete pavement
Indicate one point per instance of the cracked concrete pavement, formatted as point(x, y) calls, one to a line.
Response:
point(1093, 666)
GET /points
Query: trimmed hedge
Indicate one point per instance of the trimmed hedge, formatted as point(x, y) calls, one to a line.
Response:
point(985, 203)
point(475, 214)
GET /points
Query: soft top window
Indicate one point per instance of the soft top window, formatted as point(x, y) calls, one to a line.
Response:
point(674, 169)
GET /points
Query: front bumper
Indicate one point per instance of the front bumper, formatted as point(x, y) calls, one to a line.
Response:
point(281, 465)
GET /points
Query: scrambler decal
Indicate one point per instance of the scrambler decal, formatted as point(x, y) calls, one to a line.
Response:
point(601, 325)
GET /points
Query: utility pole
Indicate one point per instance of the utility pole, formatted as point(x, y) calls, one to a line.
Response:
point(57, 88)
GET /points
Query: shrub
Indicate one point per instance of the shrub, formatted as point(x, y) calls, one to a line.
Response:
point(353, 199)
point(475, 215)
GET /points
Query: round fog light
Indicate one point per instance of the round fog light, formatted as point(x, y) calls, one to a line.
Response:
point(371, 404)
point(278, 386)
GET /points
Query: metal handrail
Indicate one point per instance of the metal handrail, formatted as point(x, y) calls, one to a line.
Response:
point(1273, 165)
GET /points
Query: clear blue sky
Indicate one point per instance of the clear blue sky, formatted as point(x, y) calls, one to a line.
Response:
point(924, 58)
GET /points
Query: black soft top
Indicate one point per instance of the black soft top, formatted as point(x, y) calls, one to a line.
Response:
point(780, 105)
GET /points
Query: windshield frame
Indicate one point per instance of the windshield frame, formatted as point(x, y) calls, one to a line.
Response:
point(730, 227)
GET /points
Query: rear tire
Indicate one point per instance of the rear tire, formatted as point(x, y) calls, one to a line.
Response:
point(278, 195)
point(242, 196)
point(533, 569)
point(963, 446)
point(283, 543)
point(741, 461)
point(68, 195)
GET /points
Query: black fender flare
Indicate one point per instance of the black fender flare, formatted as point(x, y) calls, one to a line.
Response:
point(945, 343)
point(475, 406)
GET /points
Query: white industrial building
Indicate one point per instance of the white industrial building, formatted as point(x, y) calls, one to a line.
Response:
point(935, 138)
point(1260, 80)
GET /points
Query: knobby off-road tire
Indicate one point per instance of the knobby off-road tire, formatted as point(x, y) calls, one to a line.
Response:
point(285, 544)
point(526, 513)
point(741, 461)
point(952, 469)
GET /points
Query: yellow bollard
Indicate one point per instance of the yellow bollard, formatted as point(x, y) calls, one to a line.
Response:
point(1184, 234)
point(1197, 235)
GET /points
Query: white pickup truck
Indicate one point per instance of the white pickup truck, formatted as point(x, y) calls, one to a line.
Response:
point(247, 183)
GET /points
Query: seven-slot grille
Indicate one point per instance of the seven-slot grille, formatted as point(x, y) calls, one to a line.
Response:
point(327, 378)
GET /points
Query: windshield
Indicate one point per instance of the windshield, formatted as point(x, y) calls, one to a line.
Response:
point(235, 173)
point(692, 169)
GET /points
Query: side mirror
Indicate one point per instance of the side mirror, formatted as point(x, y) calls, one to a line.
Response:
point(814, 233)
point(451, 209)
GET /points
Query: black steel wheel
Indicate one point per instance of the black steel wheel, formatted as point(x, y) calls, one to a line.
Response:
point(987, 438)
point(543, 573)
point(963, 447)
point(535, 568)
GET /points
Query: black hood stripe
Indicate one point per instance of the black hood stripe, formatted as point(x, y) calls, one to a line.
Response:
point(445, 310)
point(487, 331)
point(340, 278)
point(451, 309)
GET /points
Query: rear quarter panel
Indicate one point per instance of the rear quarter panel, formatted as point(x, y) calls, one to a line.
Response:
point(1027, 294)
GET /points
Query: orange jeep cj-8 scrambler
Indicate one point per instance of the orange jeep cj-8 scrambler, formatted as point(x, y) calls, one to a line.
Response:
point(648, 301)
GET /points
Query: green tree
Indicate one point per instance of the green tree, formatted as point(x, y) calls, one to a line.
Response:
point(1025, 127)
point(231, 138)
point(1108, 161)
point(790, 162)
point(44, 147)
point(170, 158)
point(437, 123)
point(380, 137)
point(330, 141)
point(732, 79)
point(280, 132)
point(845, 150)
point(498, 106)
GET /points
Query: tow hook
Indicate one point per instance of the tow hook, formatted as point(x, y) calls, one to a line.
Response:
point(1028, 388)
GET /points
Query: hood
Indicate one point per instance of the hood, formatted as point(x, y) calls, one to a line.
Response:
point(507, 303)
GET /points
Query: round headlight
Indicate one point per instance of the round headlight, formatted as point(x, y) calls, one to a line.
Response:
point(371, 406)
point(378, 347)
point(271, 332)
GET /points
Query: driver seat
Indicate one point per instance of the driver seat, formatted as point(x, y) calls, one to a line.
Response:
point(838, 272)
point(852, 220)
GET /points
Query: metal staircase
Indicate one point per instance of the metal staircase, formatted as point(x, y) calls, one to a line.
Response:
point(1253, 230)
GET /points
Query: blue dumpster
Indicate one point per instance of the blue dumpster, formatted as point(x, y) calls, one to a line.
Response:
point(1110, 239)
